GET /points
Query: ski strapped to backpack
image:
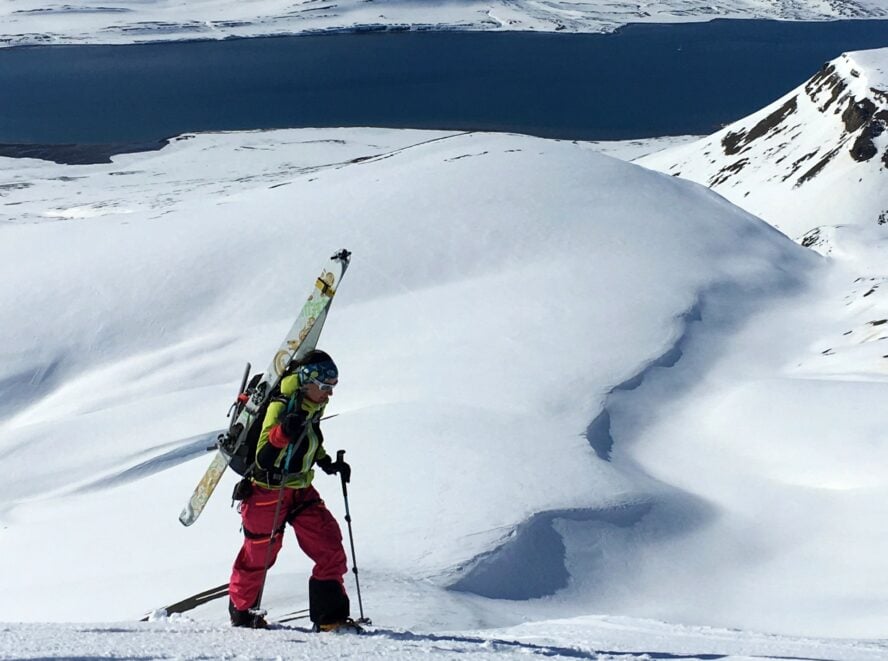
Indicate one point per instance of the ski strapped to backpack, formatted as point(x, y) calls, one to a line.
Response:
point(240, 456)
point(253, 398)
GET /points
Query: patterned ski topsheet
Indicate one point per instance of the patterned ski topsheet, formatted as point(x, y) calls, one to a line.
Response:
point(301, 339)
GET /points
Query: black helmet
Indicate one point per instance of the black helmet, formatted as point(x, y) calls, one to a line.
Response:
point(316, 365)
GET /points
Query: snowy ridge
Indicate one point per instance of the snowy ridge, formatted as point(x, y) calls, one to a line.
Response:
point(28, 22)
point(816, 157)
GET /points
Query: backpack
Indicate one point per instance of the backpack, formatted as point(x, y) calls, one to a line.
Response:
point(241, 460)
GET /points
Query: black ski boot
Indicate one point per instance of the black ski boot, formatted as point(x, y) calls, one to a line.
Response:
point(245, 618)
point(328, 605)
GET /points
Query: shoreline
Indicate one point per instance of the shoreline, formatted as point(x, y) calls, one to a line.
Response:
point(78, 154)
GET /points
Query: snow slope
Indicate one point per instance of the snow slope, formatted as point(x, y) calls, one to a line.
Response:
point(600, 638)
point(129, 21)
point(816, 157)
point(815, 165)
point(571, 387)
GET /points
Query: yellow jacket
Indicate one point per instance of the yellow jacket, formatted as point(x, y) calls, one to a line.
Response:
point(270, 461)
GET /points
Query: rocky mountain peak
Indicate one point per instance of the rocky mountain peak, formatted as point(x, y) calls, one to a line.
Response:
point(817, 156)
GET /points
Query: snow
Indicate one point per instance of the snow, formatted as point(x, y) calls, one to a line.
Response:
point(523, 288)
point(130, 21)
point(831, 383)
point(600, 638)
point(592, 410)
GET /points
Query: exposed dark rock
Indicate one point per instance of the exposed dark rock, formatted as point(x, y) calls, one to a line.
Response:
point(857, 114)
point(733, 142)
point(725, 173)
point(825, 72)
point(826, 78)
point(878, 322)
point(814, 171)
point(837, 88)
point(863, 148)
point(811, 238)
point(883, 217)
point(798, 163)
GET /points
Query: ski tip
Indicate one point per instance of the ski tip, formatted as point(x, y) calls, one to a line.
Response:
point(342, 256)
point(186, 518)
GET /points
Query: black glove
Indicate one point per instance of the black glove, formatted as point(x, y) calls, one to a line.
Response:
point(331, 467)
point(293, 425)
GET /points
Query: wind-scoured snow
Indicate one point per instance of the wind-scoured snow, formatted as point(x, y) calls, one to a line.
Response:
point(131, 21)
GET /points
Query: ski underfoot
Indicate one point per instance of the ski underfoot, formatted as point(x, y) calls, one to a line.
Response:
point(349, 627)
point(277, 622)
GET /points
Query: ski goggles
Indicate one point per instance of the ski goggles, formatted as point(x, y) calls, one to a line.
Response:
point(325, 387)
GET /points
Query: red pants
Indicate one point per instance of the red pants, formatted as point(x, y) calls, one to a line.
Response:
point(316, 530)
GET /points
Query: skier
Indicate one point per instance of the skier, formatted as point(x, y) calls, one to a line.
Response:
point(291, 427)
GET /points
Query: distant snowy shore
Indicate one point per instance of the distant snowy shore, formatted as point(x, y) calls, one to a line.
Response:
point(32, 22)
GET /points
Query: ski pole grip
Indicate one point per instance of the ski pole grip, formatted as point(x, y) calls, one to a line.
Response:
point(340, 456)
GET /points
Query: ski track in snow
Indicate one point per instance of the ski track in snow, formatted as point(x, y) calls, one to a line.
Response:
point(180, 638)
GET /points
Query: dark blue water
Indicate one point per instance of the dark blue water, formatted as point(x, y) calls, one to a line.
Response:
point(645, 80)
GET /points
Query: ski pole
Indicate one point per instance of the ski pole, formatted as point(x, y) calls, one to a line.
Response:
point(257, 609)
point(277, 510)
point(351, 539)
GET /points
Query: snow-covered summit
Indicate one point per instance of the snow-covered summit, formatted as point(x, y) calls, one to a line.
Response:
point(818, 156)
point(129, 21)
